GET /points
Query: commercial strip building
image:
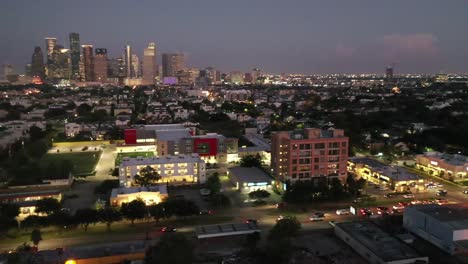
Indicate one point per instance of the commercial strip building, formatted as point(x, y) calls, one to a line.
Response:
point(175, 139)
point(250, 179)
point(375, 245)
point(451, 167)
point(26, 197)
point(226, 230)
point(309, 154)
point(444, 226)
point(150, 195)
point(394, 177)
point(174, 169)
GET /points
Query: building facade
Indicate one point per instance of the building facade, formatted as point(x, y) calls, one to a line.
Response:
point(309, 154)
point(149, 195)
point(149, 64)
point(50, 46)
point(88, 63)
point(75, 55)
point(172, 63)
point(37, 63)
point(100, 65)
point(128, 62)
point(451, 167)
point(172, 169)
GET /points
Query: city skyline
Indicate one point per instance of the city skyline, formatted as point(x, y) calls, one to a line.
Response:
point(301, 37)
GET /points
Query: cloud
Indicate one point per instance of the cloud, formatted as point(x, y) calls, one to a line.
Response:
point(414, 45)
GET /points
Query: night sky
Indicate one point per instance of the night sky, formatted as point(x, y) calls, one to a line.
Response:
point(304, 36)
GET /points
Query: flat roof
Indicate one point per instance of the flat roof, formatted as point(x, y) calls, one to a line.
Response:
point(383, 245)
point(455, 159)
point(453, 215)
point(252, 174)
point(226, 230)
point(172, 135)
point(168, 159)
point(394, 173)
point(162, 189)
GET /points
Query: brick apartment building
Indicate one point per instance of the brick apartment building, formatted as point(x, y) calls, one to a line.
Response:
point(309, 154)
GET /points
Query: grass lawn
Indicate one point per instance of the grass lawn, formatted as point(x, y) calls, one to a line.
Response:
point(120, 156)
point(83, 162)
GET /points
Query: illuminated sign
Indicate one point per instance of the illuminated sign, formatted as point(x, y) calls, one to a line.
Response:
point(435, 163)
point(257, 184)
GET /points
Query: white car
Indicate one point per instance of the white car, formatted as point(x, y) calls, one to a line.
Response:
point(317, 217)
point(342, 211)
point(408, 196)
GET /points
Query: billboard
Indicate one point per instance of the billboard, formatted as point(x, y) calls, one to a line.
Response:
point(205, 146)
point(130, 136)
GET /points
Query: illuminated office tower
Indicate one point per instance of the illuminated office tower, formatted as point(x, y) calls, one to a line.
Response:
point(50, 47)
point(88, 62)
point(128, 62)
point(149, 64)
point(100, 65)
point(75, 54)
point(172, 63)
point(135, 66)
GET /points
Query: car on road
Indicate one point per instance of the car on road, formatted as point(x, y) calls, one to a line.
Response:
point(205, 192)
point(408, 196)
point(414, 202)
point(441, 201)
point(382, 208)
point(388, 195)
point(251, 221)
point(465, 191)
point(441, 193)
point(318, 216)
point(279, 218)
point(342, 211)
point(206, 212)
point(168, 229)
point(280, 205)
point(365, 211)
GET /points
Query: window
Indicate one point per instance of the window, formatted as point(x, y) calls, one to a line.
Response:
point(294, 175)
point(334, 152)
point(294, 161)
point(344, 151)
point(333, 145)
point(304, 146)
point(343, 144)
point(316, 159)
point(316, 167)
point(320, 146)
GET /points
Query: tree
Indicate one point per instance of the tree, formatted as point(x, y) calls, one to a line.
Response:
point(35, 133)
point(108, 216)
point(47, 206)
point(181, 207)
point(259, 195)
point(148, 176)
point(251, 161)
point(285, 228)
point(86, 216)
point(36, 237)
point(173, 248)
point(133, 210)
point(278, 251)
point(351, 185)
point(213, 183)
point(251, 241)
point(9, 210)
point(336, 190)
point(106, 187)
point(158, 211)
point(34, 221)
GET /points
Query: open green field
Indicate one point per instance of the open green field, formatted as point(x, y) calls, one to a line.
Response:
point(83, 162)
point(120, 156)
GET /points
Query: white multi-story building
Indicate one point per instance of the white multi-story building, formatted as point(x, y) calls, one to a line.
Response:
point(181, 168)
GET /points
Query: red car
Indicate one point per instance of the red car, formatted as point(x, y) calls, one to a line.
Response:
point(168, 229)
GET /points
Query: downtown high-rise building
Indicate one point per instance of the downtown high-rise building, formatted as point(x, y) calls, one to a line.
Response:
point(37, 63)
point(135, 66)
point(88, 62)
point(100, 65)
point(59, 67)
point(389, 81)
point(50, 47)
point(149, 64)
point(128, 62)
point(172, 63)
point(116, 68)
point(7, 69)
point(75, 54)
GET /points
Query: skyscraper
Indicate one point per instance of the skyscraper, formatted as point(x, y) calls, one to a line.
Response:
point(100, 65)
point(50, 46)
point(128, 62)
point(149, 64)
point(7, 70)
point(389, 77)
point(172, 63)
point(88, 62)
point(37, 63)
point(60, 65)
point(75, 54)
point(135, 66)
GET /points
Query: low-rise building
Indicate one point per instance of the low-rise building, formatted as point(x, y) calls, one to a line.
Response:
point(250, 179)
point(451, 167)
point(150, 194)
point(375, 245)
point(444, 226)
point(394, 177)
point(174, 169)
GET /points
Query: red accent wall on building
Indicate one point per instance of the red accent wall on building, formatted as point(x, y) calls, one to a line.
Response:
point(205, 146)
point(130, 136)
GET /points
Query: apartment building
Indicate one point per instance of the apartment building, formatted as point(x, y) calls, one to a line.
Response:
point(176, 169)
point(309, 154)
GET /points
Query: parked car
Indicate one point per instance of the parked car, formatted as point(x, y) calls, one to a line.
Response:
point(388, 195)
point(441, 201)
point(408, 196)
point(206, 212)
point(398, 207)
point(465, 191)
point(319, 216)
point(342, 211)
point(365, 211)
point(280, 205)
point(84, 148)
point(441, 193)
